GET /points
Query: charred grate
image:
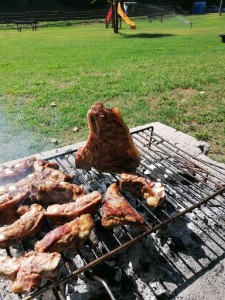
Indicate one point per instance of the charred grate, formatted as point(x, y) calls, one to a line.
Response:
point(190, 184)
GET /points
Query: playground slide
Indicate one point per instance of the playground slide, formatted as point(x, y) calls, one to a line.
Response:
point(109, 16)
point(125, 17)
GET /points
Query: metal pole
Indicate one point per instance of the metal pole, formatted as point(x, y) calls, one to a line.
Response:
point(116, 28)
point(221, 5)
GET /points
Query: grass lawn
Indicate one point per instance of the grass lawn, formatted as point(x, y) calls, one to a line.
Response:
point(163, 72)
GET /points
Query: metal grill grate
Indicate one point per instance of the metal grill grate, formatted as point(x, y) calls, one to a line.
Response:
point(189, 184)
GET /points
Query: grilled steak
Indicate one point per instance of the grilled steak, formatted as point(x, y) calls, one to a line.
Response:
point(153, 192)
point(68, 211)
point(117, 211)
point(67, 236)
point(33, 268)
point(9, 267)
point(110, 147)
point(28, 224)
point(59, 192)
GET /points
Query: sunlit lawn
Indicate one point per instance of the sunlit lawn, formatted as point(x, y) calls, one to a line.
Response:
point(167, 72)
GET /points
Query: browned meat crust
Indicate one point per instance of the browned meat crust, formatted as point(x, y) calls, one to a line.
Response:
point(23, 168)
point(59, 192)
point(8, 206)
point(68, 211)
point(27, 225)
point(153, 192)
point(110, 147)
point(9, 267)
point(33, 268)
point(117, 211)
point(44, 178)
point(67, 236)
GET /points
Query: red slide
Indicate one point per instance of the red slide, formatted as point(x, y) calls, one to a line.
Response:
point(109, 16)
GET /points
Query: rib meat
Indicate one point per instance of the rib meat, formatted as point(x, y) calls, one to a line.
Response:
point(8, 206)
point(9, 267)
point(153, 192)
point(44, 178)
point(67, 236)
point(23, 168)
point(33, 268)
point(17, 171)
point(59, 192)
point(27, 225)
point(117, 211)
point(68, 211)
point(110, 147)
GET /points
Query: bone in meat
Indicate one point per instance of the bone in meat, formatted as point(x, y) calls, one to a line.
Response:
point(34, 267)
point(68, 211)
point(23, 168)
point(27, 225)
point(13, 195)
point(8, 206)
point(153, 192)
point(9, 266)
point(110, 147)
point(117, 211)
point(43, 176)
point(17, 171)
point(59, 192)
point(68, 236)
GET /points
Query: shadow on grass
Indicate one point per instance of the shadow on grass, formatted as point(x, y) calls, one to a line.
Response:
point(145, 35)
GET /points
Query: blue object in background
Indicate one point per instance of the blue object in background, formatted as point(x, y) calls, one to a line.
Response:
point(199, 7)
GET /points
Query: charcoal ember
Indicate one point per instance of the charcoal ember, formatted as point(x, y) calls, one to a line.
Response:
point(5, 291)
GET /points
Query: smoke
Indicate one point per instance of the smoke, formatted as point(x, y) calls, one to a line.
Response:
point(14, 145)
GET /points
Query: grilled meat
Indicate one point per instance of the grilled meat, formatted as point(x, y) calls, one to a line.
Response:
point(9, 267)
point(67, 236)
point(45, 176)
point(8, 206)
point(153, 192)
point(27, 225)
point(110, 147)
point(117, 211)
point(17, 171)
point(68, 211)
point(33, 268)
point(23, 168)
point(59, 192)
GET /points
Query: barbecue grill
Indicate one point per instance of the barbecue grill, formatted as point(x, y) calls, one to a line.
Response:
point(195, 191)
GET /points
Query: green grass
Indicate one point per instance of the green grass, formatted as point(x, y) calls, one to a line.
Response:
point(163, 72)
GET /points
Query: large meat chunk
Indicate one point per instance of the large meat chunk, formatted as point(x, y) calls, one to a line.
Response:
point(28, 224)
point(67, 236)
point(33, 268)
point(117, 211)
point(68, 211)
point(153, 192)
point(110, 147)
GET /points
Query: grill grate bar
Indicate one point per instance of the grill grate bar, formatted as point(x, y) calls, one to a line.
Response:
point(124, 246)
point(189, 186)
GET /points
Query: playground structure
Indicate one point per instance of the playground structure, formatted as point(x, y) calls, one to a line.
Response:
point(116, 10)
